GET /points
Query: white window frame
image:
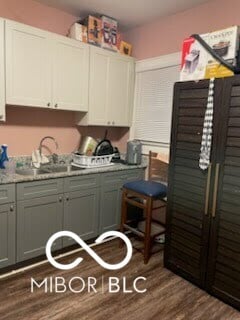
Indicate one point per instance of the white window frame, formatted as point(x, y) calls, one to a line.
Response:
point(163, 61)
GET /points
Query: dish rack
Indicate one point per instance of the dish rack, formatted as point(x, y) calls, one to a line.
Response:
point(91, 161)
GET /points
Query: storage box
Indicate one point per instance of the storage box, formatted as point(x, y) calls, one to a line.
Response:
point(109, 33)
point(198, 64)
point(94, 26)
point(78, 32)
point(125, 48)
point(226, 44)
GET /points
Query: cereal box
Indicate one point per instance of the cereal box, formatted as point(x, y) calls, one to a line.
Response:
point(109, 33)
point(94, 26)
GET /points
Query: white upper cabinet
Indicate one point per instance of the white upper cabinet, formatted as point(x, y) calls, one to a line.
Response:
point(120, 90)
point(28, 66)
point(70, 74)
point(45, 70)
point(51, 71)
point(2, 73)
point(111, 88)
point(98, 86)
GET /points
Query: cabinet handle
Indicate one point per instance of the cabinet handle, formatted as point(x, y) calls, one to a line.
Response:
point(1, 116)
point(67, 198)
point(208, 189)
point(60, 199)
point(113, 122)
point(108, 122)
point(56, 105)
point(215, 190)
point(11, 208)
point(48, 104)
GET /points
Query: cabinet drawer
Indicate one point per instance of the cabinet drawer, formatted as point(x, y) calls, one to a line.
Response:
point(120, 177)
point(36, 189)
point(81, 182)
point(7, 193)
point(112, 178)
point(131, 175)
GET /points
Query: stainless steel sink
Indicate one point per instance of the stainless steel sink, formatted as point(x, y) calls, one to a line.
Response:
point(29, 172)
point(46, 170)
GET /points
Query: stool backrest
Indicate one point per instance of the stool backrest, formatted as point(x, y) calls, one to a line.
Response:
point(158, 167)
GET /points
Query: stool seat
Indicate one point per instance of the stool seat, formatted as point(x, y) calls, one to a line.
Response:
point(148, 188)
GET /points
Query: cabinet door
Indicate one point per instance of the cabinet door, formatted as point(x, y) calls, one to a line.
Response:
point(98, 86)
point(37, 220)
point(7, 234)
point(70, 74)
point(110, 207)
point(111, 88)
point(188, 206)
point(81, 214)
point(28, 66)
point(223, 277)
point(2, 73)
point(120, 90)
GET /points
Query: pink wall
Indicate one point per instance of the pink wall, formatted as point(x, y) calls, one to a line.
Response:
point(165, 35)
point(26, 126)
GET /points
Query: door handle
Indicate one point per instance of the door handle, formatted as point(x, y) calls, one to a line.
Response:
point(208, 189)
point(215, 189)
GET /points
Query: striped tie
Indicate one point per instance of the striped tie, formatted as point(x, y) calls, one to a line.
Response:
point(205, 154)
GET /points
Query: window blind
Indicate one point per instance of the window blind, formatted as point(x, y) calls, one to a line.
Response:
point(153, 105)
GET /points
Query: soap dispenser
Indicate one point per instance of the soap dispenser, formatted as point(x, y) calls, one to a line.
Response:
point(4, 156)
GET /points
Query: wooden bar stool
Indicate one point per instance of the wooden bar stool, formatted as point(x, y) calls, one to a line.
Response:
point(143, 194)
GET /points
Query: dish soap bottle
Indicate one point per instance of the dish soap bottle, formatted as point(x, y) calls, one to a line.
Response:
point(4, 156)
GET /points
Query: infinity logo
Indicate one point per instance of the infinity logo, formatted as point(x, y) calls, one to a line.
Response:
point(83, 244)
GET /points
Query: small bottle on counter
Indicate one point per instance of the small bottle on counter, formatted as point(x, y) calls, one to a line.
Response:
point(3, 156)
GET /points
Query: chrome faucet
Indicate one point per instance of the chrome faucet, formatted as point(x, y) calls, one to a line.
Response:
point(54, 155)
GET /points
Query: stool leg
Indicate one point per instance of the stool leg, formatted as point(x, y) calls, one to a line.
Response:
point(147, 239)
point(123, 214)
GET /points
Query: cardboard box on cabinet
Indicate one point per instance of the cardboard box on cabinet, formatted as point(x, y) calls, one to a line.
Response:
point(78, 32)
point(198, 64)
point(94, 26)
point(194, 59)
point(109, 33)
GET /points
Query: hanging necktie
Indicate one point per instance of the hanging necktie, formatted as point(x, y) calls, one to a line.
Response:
point(206, 144)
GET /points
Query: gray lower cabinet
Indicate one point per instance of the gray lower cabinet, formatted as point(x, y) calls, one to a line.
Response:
point(7, 234)
point(81, 214)
point(110, 207)
point(110, 204)
point(88, 205)
point(7, 225)
point(37, 220)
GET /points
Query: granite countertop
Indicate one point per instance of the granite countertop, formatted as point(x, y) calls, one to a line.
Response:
point(7, 177)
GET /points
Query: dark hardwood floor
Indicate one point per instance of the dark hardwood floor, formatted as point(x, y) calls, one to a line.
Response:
point(168, 296)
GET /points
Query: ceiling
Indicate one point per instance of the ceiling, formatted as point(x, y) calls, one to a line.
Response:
point(129, 13)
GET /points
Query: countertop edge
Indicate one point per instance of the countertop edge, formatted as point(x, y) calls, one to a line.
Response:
point(6, 178)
